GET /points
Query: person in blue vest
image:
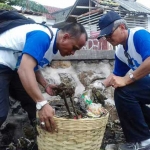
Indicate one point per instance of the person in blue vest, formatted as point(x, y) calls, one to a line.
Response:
point(130, 78)
point(24, 50)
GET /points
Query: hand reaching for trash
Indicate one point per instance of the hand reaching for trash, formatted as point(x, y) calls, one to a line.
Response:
point(117, 81)
point(46, 115)
point(50, 89)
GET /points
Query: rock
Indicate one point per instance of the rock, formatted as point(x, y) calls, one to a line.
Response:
point(105, 61)
point(60, 64)
point(111, 147)
point(111, 63)
point(117, 121)
point(67, 79)
point(110, 101)
point(87, 77)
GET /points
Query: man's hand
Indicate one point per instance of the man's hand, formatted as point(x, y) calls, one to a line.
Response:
point(50, 89)
point(117, 81)
point(46, 115)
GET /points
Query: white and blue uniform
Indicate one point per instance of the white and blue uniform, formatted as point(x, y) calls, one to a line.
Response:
point(32, 39)
point(131, 100)
point(137, 46)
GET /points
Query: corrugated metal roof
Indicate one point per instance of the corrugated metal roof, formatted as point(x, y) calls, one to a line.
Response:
point(133, 6)
point(74, 10)
point(82, 6)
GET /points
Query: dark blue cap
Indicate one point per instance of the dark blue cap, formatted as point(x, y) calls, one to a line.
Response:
point(106, 23)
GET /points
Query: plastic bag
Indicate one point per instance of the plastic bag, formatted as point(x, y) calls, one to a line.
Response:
point(98, 85)
point(86, 96)
point(94, 110)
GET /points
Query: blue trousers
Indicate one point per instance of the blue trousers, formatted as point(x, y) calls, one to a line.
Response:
point(134, 114)
point(10, 85)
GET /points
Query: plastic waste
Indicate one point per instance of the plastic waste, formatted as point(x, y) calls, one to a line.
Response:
point(98, 85)
point(93, 109)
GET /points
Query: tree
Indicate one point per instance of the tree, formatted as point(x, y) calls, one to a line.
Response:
point(27, 5)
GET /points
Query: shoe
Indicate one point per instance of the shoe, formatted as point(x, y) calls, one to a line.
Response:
point(133, 146)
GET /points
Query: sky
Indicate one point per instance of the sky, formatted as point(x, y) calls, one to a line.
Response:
point(57, 3)
point(67, 3)
point(144, 2)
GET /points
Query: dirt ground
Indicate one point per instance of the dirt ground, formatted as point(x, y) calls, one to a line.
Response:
point(113, 133)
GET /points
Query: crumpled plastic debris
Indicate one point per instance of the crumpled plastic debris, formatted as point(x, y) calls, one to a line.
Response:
point(93, 109)
point(98, 85)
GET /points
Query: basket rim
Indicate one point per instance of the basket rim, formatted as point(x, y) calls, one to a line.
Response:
point(81, 119)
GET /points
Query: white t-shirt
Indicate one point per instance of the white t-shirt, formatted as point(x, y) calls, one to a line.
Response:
point(32, 39)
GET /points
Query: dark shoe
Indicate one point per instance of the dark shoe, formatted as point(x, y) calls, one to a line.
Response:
point(133, 146)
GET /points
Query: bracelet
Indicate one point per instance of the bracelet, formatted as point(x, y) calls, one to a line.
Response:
point(46, 86)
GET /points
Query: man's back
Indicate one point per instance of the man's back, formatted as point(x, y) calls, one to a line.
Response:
point(15, 39)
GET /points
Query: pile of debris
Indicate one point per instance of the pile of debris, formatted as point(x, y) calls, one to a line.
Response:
point(89, 104)
point(113, 133)
point(18, 134)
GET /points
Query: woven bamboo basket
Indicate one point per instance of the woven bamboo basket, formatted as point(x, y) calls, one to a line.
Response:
point(74, 134)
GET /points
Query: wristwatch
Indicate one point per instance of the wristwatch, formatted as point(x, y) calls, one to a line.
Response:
point(39, 105)
point(131, 76)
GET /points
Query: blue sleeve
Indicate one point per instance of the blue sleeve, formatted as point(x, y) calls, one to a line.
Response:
point(37, 43)
point(120, 68)
point(142, 43)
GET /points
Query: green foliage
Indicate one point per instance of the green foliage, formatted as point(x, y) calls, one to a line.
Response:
point(3, 1)
point(5, 6)
point(26, 4)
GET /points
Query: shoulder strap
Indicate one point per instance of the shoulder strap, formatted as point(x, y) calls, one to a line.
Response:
point(51, 32)
point(9, 49)
point(11, 19)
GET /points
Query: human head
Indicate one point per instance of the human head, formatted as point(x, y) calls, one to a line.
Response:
point(71, 37)
point(108, 24)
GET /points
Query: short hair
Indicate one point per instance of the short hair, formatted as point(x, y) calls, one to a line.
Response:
point(119, 22)
point(75, 30)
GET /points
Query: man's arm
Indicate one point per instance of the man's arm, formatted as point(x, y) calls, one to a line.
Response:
point(140, 72)
point(28, 79)
point(120, 69)
point(41, 80)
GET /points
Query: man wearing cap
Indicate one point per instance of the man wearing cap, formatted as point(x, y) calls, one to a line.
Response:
point(130, 78)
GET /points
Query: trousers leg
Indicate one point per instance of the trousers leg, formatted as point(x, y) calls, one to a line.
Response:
point(146, 113)
point(5, 78)
point(18, 92)
point(130, 101)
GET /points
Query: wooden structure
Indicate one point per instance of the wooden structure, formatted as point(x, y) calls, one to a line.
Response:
point(88, 12)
